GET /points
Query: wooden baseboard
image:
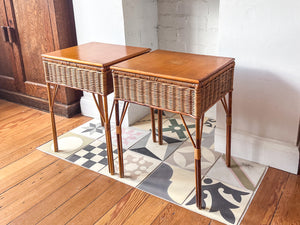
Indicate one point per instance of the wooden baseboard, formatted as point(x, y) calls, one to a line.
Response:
point(41, 104)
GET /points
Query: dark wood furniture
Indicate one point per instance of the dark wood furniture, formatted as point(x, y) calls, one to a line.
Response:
point(183, 83)
point(28, 29)
point(87, 67)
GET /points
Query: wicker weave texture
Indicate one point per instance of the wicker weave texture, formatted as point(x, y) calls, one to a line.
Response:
point(213, 89)
point(75, 77)
point(177, 96)
point(174, 97)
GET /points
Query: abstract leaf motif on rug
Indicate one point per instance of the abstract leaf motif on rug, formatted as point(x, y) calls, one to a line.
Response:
point(220, 200)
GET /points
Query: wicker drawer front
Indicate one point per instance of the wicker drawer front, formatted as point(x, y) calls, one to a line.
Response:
point(178, 98)
point(75, 77)
point(188, 98)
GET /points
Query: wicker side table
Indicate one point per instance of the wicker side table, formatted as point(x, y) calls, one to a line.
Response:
point(183, 83)
point(87, 68)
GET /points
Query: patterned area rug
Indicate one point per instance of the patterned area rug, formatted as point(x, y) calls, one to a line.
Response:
point(167, 170)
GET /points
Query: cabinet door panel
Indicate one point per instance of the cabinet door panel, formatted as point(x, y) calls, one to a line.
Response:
point(6, 63)
point(6, 56)
point(34, 25)
point(35, 36)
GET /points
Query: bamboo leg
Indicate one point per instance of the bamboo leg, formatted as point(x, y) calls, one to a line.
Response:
point(100, 103)
point(153, 125)
point(99, 106)
point(199, 128)
point(187, 130)
point(119, 139)
point(159, 126)
point(108, 136)
point(228, 129)
point(52, 116)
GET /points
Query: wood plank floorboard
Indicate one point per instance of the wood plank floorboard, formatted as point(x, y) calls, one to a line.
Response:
point(23, 147)
point(32, 183)
point(265, 201)
point(33, 131)
point(102, 204)
point(214, 222)
point(124, 208)
point(7, 105)
point(30, 199)
point(147, 212)
point(8, 131)
point(12, 111)
point(20, 170)
point(56, 199)
point(79, 202)
point(174, 214)
point(21, 121)
point(288, 210)
point(37, 188)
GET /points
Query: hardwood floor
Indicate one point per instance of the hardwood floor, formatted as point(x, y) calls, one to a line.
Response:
point(37, 188)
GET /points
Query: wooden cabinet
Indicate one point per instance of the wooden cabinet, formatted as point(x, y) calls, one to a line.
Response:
point(28, 29)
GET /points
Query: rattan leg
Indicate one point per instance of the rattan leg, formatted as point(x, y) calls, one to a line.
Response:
point(197, 149)
point(119, 139)
point(159, 126)
point(103, 111)
point(153, 125)
point(199, 128)
point(108, 135)
point(52, 116)
point(100, 102)
point(228, 129)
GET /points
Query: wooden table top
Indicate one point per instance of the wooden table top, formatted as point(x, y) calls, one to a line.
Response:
point(96, 54)
point(174, 65)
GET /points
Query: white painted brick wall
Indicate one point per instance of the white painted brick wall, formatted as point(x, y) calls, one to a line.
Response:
point(140, 23)
point(188, 25)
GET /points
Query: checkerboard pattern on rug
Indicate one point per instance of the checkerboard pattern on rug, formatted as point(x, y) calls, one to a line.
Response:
point(167, 170)
point(92, 156)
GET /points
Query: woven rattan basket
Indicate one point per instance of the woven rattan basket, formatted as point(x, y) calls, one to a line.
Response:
point(78, 76)
point(177, 96)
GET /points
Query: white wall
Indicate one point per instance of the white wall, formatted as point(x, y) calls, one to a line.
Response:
point(99, 20)
point(188, 26)
point(140, 23)
point(264, 37)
